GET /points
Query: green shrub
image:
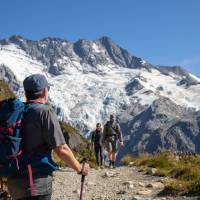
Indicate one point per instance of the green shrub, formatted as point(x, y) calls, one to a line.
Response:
point(194, 187)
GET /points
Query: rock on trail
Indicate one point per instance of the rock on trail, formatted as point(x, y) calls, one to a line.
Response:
point(123, 183)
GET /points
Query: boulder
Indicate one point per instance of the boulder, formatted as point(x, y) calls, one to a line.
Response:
point(155, 185)
point(142, 184)
point(151, 171)
point(144, 192)
point(110, 174)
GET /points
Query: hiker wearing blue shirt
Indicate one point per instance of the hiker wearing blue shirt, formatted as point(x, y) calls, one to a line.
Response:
point(41, 135)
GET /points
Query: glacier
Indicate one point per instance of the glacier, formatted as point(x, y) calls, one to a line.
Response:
point(89, 83)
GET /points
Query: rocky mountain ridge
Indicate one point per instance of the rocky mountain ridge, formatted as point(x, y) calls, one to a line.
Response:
point(157, 106)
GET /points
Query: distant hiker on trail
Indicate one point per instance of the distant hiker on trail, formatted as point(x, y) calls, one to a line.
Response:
point(111, 135)
point(96, 139)
point(41, 135)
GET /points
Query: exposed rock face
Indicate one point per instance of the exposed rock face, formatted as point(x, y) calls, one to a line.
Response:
point(186, 79)
point(50, 50)
point(133, 86)
point(120, 56)
point(47, 50)
point(163, 125)
point(91, 79)
point(179, 71)
point(7, 75)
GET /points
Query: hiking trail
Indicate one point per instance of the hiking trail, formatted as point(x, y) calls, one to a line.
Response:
point(123, 183)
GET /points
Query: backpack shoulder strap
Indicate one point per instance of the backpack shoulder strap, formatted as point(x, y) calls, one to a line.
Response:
point(107, 124)
point(33, 104)
point(115, 128)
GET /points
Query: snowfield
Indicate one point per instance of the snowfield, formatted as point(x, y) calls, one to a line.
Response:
point(86, 95)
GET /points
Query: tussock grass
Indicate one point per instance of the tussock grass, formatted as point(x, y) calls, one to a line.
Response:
point(184, 171)
point(128, 159)
point(5, 92)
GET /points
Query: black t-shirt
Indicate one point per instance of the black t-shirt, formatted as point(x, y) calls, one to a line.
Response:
point(96, 137)
point(41, 131)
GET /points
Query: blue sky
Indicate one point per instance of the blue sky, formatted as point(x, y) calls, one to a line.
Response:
point(165, 32)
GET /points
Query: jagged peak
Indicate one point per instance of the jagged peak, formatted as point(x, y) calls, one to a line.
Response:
point(82, 41)
point(53, 39)
point(118, 54)
point(106, 39)
point(16, 37)
point(19, 38)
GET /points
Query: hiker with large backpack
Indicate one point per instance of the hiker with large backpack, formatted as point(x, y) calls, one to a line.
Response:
point(111, 136)
point(96, 139)
point(28, 134)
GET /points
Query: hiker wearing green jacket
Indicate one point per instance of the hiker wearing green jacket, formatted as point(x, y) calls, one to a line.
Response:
point(111, 136)
point(41, 135)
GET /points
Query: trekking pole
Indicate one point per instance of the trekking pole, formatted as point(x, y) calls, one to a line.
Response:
point(82, 180)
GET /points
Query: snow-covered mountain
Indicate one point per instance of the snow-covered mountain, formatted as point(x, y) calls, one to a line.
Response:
point(92, 79)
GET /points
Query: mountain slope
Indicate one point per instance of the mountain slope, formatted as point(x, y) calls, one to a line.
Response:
point(163, 125)
point(91, 79)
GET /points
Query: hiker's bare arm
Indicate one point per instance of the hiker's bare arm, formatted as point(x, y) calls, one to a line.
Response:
point(65, 153)
point(120, 134)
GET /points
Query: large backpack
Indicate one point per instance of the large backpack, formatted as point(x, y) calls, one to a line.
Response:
point(111, 130)
point(13, 159)
point(11, 113)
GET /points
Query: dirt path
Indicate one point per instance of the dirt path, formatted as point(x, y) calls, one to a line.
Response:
point(122, 183)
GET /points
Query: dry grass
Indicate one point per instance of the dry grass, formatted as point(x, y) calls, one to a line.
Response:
point(5, 92)
point(183, 170)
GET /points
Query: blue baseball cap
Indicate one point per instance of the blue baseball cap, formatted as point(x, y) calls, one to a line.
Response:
point(35, 83)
